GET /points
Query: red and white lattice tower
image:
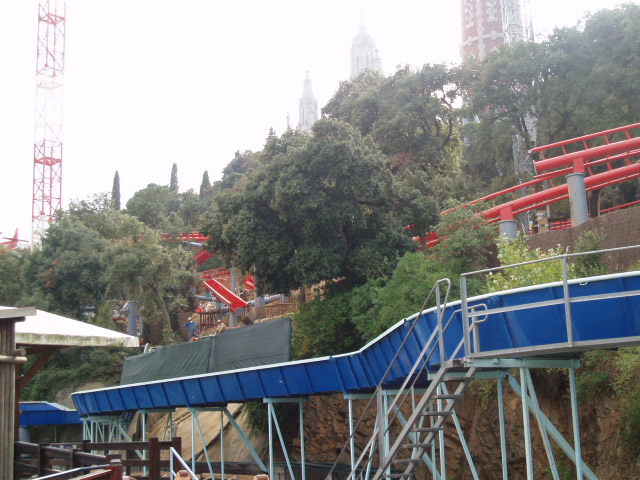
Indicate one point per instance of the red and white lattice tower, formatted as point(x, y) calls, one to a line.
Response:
point(47, 150)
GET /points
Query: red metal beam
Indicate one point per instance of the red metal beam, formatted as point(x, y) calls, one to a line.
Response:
point(572, 159)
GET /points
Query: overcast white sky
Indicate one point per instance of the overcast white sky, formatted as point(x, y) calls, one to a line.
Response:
point(152, 82)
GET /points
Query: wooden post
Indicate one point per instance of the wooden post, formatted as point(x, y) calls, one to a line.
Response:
point(9, 358)
point(154, 458)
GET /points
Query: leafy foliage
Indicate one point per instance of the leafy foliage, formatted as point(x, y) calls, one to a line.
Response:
point(323, 327)
point(313, 209)
point(517, 251)
point(588, 265)
point(71, 367)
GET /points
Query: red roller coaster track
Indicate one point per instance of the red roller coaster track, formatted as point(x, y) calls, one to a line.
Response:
point(587, 154)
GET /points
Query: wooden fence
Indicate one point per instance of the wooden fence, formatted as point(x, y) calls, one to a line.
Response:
point(156, 467)
point(34, 459)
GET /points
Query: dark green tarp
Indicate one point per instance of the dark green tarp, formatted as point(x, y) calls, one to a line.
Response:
point(251, 346)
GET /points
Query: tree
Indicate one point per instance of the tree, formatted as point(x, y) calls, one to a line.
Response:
point(173, 184)
point(115, 192)
point(11, 278)
point(409, 115)
point(313, 209)
point(149, 272)
point(205, 186)
point(68, 268)
point(154, 205)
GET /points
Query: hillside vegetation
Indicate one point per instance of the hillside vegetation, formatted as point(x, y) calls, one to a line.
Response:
point(338, 208)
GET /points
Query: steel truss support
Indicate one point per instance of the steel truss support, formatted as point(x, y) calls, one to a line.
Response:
point(527, 394)
point(524, 388)
point(273, 420)
point(359, 396)
point(224, 412)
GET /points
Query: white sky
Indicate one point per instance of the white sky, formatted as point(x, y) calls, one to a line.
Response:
point(152, 82)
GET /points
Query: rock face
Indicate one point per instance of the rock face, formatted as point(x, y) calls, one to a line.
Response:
point(327, 430)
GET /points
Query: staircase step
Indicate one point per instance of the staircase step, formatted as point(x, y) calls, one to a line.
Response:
point(436, 413)
point(451, 396)
point(427, 429)
point(407, 460)
point(417, 445)
point(456, 379)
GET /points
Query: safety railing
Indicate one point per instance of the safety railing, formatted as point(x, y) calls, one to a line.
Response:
point(174, 456)
point(566, 300)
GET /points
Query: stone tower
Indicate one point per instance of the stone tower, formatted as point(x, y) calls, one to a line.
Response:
point(364, 54)
point(482, 28)
point(307, 107)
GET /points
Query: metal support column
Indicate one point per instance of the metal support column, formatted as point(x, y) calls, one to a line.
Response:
point(273, 420)
point(443, 464)
point(303, 466)
point(525, 421)
point(543, 431)
point(221, 445)
point(503, 437)
point(577, 197)
point(351, 439)
point(576, 423)
point(556, 435)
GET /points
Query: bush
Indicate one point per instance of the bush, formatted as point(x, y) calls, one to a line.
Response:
point(590, 265)
point(594, 378)
point(630, 420)
point(323, 327)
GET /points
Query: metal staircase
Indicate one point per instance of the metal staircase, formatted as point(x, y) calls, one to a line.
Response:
point(416, 437)
point(410, 420)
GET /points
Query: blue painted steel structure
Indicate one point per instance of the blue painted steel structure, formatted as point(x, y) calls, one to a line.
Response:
point(45, 413)
point(537, 323)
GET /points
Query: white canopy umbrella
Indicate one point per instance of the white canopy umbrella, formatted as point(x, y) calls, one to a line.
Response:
point(48, 329)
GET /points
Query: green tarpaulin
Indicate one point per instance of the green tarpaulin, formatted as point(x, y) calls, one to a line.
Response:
point(251, 346)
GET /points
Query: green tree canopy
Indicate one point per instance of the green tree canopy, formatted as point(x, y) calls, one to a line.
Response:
point(313, 209)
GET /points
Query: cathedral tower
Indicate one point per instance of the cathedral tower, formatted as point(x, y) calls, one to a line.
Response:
point(307, 107)
point(364, 54)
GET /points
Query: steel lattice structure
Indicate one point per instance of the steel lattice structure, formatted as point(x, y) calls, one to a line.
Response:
point(47, 150)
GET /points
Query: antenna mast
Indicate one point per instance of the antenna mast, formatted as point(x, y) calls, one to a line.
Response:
point(47, 150)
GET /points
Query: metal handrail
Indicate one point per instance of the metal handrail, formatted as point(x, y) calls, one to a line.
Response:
point(173, 453)
point(384, 377)
point(566, 298)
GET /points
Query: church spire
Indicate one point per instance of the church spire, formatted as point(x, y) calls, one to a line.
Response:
point(364, 54)
point(307, 107)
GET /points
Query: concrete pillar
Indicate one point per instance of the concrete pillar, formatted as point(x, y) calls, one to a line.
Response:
point(508, 225)
point(508, 229)
point(577, 198)
point(133, 319)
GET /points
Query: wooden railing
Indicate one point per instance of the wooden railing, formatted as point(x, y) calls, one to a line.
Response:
point(273, 310)
point(33, 459)
point(150, 468)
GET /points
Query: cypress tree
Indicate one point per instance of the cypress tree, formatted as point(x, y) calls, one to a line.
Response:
point(115, 192)
point(173, 185)
point(205, 186)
